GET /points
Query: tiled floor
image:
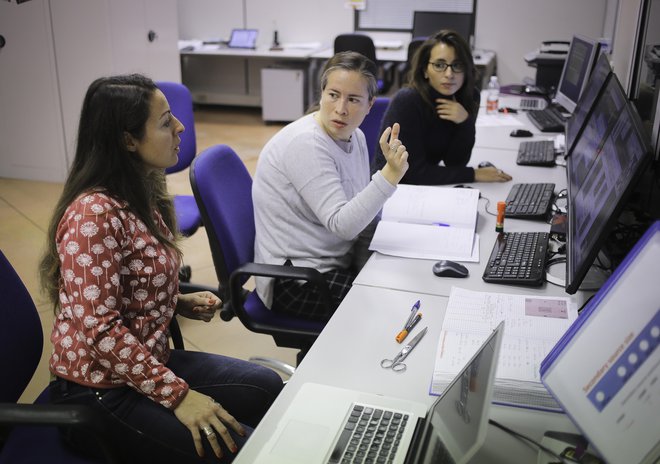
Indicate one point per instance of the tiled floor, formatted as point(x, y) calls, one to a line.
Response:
point(26, 206)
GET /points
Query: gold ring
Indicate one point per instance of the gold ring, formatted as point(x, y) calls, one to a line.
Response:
point(208, 431)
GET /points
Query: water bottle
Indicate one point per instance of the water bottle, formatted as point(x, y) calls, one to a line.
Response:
point(493, 95)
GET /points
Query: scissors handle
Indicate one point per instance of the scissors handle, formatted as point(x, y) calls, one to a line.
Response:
point(395, 365)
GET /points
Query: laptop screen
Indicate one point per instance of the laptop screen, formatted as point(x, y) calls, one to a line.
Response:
point(457, 421)
point(243, 38)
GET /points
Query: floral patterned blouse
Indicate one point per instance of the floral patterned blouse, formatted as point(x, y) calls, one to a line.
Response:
point(118, 293)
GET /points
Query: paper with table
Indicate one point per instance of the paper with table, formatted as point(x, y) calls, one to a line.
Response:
point(533, 326)
point(429, 222)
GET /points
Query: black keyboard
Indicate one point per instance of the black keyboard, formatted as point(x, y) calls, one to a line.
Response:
point(536, 153)
point(529, 201)
point(369, 435)
point(548, 119)
point(518, 258)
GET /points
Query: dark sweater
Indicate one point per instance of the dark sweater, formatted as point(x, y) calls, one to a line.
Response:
point(429, 140)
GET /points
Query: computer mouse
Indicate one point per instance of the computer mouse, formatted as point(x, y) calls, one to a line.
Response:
point(446, 268)
point(486, 164)
point(520, 133)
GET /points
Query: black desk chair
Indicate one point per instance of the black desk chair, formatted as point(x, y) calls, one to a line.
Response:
point(223, 190)
point(365, 45)
point(403, 69)
point(29, 432)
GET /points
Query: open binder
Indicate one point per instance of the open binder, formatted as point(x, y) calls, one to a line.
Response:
point(429, 222)
point(605, 370)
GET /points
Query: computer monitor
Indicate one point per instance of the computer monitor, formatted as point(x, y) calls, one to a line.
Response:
point(595, 203)
point(596, 127)
point(426, 23)
point(581, 57)
point(595, 84)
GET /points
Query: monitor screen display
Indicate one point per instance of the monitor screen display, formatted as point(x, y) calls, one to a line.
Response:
point(580, 59)
point(426, 23)
point(594, 206)
point(596, 128)
point(596, 82)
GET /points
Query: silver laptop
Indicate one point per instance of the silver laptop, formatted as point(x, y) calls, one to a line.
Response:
point(327, 424)
point(243, 38)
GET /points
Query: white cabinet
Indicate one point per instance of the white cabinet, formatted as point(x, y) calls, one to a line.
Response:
point(54, 50)
point(95, 38)
point(282, 94)
point(31, 137)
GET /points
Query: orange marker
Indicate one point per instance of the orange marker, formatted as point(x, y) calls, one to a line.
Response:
point(404, 333)
point(501, 208)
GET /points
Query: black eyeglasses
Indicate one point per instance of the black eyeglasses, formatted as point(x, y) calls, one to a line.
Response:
point(440, 66)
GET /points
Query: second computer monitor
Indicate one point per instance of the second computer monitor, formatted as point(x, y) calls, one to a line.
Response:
point(580, 60)
point(595, 84)
point(426, 23)
point(597, 199)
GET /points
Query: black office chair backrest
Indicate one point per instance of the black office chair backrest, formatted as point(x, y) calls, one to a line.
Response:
point(356, 43)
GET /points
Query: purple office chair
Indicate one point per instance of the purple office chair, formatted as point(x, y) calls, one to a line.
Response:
point(32, 429)
point(371, 124)
point(188, 216)
point(223, 190)
point(178, 96)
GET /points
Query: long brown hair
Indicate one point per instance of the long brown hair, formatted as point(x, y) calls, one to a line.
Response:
point(113, 106)
point(420, 61)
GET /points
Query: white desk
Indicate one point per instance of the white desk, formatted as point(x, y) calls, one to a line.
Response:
point(348, 354)
point(484, 60)
point(415, 275)
point(499, 136)
point(229, 76)
point(361, 332)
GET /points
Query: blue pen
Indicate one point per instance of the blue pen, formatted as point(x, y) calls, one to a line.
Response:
point(411, 320)
point(441, 224)
point(413, 311)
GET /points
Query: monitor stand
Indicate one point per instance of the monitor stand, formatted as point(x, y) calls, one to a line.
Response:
point(573, 447)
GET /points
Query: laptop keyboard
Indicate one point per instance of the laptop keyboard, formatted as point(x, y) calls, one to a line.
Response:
point(547, 120)
point(518, 258)
point(536, 153)
point(369, 435)
point(529, 201)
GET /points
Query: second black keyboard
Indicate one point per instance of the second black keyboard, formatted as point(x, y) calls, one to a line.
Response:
point(536, 153)
point(548, 119)
point(518, 258)
point(529, 201)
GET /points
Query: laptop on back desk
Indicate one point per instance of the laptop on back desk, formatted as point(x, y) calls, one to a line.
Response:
point(313, 429)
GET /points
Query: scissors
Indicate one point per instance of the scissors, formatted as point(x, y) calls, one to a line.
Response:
point(397, 364)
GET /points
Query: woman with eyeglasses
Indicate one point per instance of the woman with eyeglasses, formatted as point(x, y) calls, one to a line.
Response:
point(437, 110)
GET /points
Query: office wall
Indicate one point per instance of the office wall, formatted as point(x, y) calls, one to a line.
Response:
point(510, 27)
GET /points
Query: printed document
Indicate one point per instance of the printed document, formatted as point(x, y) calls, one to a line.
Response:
point(533, 326)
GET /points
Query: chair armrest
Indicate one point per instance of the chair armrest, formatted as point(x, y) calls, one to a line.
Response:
point(49, 414)
point(273, 270)
point(59, 415)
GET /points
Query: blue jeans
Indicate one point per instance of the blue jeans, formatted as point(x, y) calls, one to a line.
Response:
point(148, 432)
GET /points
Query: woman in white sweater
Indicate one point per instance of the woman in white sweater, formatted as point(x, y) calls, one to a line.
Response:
point(312, 190)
